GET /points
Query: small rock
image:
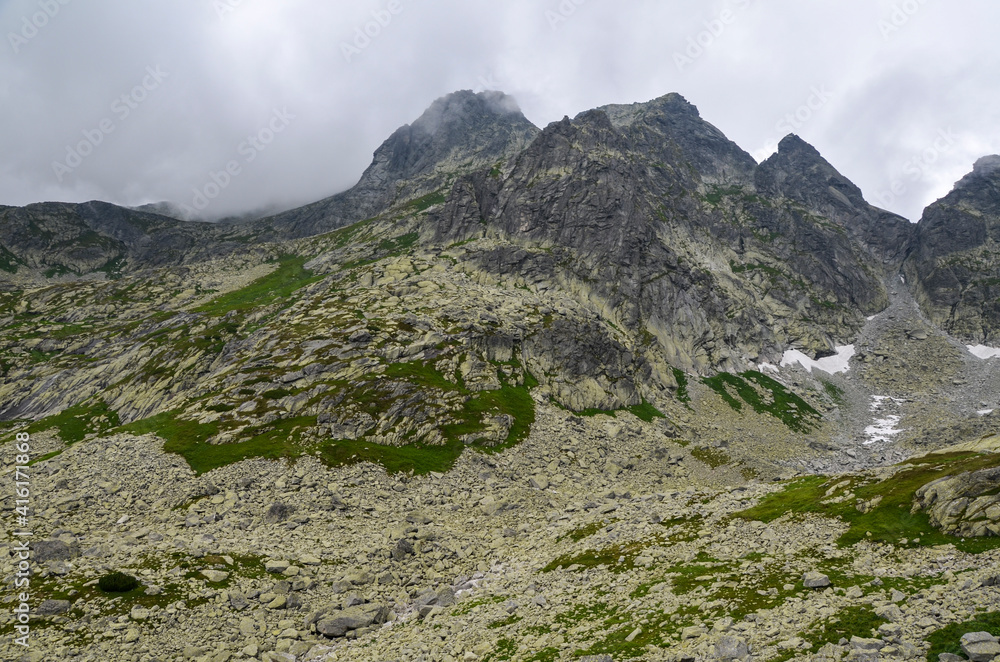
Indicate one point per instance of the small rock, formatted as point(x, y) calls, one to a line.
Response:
point(276, 567)
point(215, 575)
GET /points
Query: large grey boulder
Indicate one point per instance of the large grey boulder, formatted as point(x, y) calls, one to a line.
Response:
point(980, 646)
point(44, 551)
point(815, 579)
point(338, 623)
point(53, 607)
point(963, 505)
point(731, 647)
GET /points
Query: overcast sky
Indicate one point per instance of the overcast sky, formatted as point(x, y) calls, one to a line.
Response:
point(135, 102)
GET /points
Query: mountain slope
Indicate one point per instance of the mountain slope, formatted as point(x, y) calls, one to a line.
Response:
point(719, 275)
point(529, 405)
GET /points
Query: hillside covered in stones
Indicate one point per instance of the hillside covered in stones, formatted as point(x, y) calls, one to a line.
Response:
point(608, 389)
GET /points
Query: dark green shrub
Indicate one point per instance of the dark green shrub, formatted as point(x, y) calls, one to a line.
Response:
point(117, 582)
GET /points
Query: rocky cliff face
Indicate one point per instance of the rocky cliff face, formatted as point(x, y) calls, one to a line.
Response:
point(674, 232)
point(798, 172)
point(955, 263)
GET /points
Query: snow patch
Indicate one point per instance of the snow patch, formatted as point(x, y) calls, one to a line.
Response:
point(830, 364)
point(984, 412)
point(984, 352)
point(770, 367)
point(883, 429)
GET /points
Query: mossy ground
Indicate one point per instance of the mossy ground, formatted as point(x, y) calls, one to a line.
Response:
point(891, 521)
point(948, 639)
point(645, 412)
point(75, 423)
point(765, 395)
point(713, 457)
point(290, 276)
point(859, 621)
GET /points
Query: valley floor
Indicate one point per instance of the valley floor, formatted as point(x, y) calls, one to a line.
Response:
point(597, 536)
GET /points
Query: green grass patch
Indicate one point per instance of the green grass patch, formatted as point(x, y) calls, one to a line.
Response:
point(422, 374)
point(835, 392)
point(78, 421)
point(743, 268)
point(425, 202)
point(716, 193)
point(765, 396)
point(683, 395)
point(713, 457)
point(646, 412)
point(280, 284)
point(8, 261)
point(585, 531)
point(948, 639)
point(504, 622)
point(849, 622)
point(191, 440)
point(420, 459)
point(618, 558)
point(399, 244)
point(891, 520)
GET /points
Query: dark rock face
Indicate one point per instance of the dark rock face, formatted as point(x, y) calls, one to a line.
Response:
point(798, 172)
point(644, 212)
point(59, 238)
point(954, 267)
point(650, 213)
point(670, 130)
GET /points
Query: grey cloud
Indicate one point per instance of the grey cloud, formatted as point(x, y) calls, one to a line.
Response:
point(351, 73)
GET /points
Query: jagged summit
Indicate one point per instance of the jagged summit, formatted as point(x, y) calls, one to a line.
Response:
point(464, 107)
point(455, 130)
point(798, 171)
point(458, 133)
point(986, 167)
point(670, 130)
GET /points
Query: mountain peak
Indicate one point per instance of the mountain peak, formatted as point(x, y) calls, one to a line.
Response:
point(458, 133)
point(984, 168)
point(797, 170)
point(463, 105)
point(792, 143)
point(669, 129)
